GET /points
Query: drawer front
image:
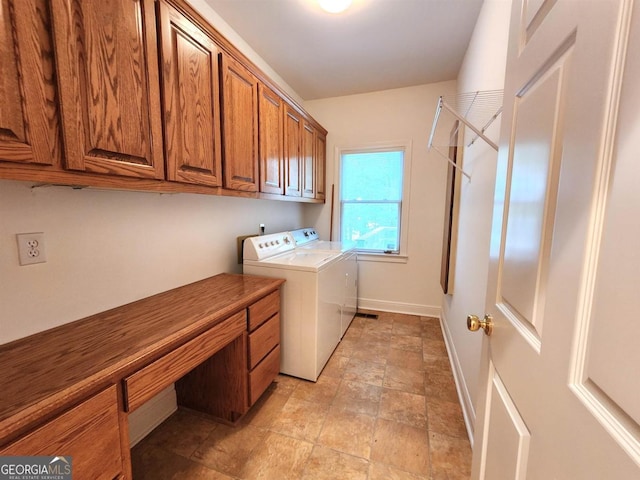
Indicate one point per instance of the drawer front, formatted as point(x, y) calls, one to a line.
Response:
point(89, 433)
point(262, 376)
point(263, 309)
point(150, 380)
point(262, 340)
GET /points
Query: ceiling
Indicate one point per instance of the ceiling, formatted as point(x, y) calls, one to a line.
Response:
point(375, 45)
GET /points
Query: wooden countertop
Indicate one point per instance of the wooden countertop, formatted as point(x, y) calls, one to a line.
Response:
point(46, 373)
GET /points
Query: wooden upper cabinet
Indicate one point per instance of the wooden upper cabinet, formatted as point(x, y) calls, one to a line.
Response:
point(107, 64)
point(240, 126)
point(271, 114)
point(29, 121)
point(94, 91)
point(321, 166)
point(308, 161)
point(292, 152)
point(190, 89)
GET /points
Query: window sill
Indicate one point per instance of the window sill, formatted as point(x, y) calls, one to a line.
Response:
point(382, 257)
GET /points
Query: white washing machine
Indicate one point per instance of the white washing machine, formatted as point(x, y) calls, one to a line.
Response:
point(308, 239)
point(311, 314)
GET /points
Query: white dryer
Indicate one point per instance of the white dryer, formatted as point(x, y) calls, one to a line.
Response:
point(308, 239)
point(311, 314)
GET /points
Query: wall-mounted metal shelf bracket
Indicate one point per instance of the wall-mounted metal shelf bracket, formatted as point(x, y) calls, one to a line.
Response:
point(468, 108)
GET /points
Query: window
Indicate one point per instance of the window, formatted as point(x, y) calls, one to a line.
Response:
point(371, 199)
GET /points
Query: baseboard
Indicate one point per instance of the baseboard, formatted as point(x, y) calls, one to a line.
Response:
point(151, 414)
point(468, 411)
point(396, 307)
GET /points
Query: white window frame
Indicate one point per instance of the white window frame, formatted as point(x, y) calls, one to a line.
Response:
point(407, 147)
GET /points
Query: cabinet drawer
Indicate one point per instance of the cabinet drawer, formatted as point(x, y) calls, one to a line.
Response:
point(262, 376)
point(262, 340)
point(89, 433)
point(263, 309)
point(153, 378)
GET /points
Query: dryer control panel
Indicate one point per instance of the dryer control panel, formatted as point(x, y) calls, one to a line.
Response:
point(304, 235)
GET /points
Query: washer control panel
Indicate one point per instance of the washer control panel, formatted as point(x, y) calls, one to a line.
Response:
point(265, 246)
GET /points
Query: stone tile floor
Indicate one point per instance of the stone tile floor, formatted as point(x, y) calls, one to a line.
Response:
point(385, 407)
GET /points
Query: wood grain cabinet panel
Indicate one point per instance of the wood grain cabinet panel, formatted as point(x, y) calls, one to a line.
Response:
point(321, 166)
point(218, 386)
point(89, 433)
point(29, 117)
point(240, 126)
point(150, 380)
point(263, 309)
point(292, 152)
point(271, 110)
point(308, 161)
point(190, 81)
point(263, 349)
point(263, 340)
point(262, 376)
point(107, 66)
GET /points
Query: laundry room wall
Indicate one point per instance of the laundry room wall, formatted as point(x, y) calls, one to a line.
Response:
point(483, 69)
point(404, 114)
point(108, 248)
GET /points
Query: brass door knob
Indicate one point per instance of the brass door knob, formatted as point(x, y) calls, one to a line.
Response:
point(474, 324)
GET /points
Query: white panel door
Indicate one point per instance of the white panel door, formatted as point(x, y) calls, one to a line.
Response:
point(561, 368)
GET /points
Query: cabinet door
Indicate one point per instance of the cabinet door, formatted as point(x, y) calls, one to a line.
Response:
point(271, 108)
point(89, 433)
point(321, 166)
point(240, 120)
point(109, 89)
point(292, 152)
point(308, 160)
point(29, 123)
point(190, 88)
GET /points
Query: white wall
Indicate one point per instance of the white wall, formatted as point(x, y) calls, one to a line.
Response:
point(482, 69)
point(107, 248)
point(387, 116)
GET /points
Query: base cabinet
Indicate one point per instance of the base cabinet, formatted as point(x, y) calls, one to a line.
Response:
point(261, 377)
point(264, 344)
point(88, 433)
point(218, 339)
point(218, 386)
point(227, 384)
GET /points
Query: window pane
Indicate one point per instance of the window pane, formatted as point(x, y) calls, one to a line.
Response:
point(371, 226)
point(372, 176)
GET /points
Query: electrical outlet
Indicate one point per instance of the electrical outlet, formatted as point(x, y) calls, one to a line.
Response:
point(31, 248)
